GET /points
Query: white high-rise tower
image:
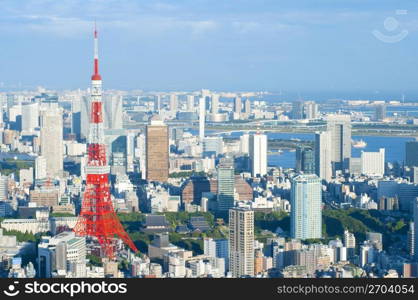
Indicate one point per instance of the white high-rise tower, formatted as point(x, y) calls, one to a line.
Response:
point(258, 154)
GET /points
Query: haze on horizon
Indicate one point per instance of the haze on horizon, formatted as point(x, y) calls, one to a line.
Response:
point(221, 45)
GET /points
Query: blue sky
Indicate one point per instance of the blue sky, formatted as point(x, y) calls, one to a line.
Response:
point(304, 45)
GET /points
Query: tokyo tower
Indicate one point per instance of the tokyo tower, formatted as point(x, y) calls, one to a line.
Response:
point(97, 217)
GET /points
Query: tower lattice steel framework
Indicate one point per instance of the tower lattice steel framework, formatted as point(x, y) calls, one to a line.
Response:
point(97, 217)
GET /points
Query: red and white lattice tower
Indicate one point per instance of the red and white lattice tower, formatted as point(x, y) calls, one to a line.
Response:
point(97, 217)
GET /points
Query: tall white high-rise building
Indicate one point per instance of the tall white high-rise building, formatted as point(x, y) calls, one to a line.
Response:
point(190, 103)
point(173, 102)
point(373, 163)
point(40, 167)
point(339, 127)
point(112, 110)
point(202, 116)
point(4, 188)
point(241, 242)
point(244, 143)
point(258, 154)
point(142, 154)
point(415, 210)
point(349, 243)
point(52, 140)
point(30, 117)
point(306, 210)
point(214, 107)
point(323, 166)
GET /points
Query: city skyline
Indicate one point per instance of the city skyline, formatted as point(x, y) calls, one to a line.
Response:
point(207, 183)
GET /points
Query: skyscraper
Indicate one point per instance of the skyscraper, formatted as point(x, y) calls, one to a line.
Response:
point(380, 112)
point(190, 103)
point(306, 213)
point(373, 163)
point(173, 102)
point(52, 139)
point(339, 127)
point(202, 113)
point(30, 117)
point(350, 243)
point(113, 114)
point(226, 182)
point(157, 164)
point(305, 160)
point(241, 242)
point(297, 110)
point(247, 107)
point(310, 110)
point(237, 107)
point(214, 107)
point(258, 154)
point(157, 103)
point(40, 167)
point(323, 167)
point(244, 146)
point(411, 153)
point(415, 228)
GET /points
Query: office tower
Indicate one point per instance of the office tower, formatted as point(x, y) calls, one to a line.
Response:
point(339, 127)
point(76, 116)
point(202, 112)
point(52, 140)
point(350, 243)
point(411, 153)
point(258, 154)
point(214, 106)
point(323, 166)
point(380, 112)
point(305, 160)
point(241, 242)
point(411, 239)
point(415, 210)
point(40, 167)
point(414, 175)
point(4, 188)
point(57, 254)
point(247, 107)
point(373, 163)
point(217, 248)
point(173, 103)
point(297, 110)
point(157, 164)
point(30, 117)
point(306, 201)
point(244, 145)
point(310, 110)
point(97, 218)
point(190, 102)
point(237, 107)
point(140, 153)
point(226, 182)
point(113, 114)
point(157, 103)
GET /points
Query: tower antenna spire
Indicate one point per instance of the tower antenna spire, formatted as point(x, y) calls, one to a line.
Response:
point(96, 75)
